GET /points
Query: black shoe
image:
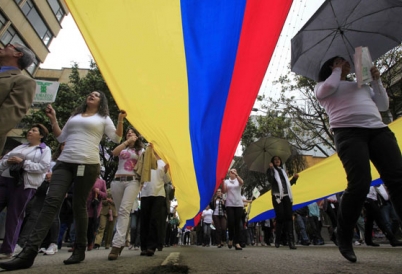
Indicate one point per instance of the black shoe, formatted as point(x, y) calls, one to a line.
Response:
point(96, 246)
point(345, 247)
point(23, 260)
point(143, 253)
point(292, 245)
point(277, 245)
point(230, 245)
point(150, 252)
point(372, 244)
point(395, 242)
point(333, 238)
point(238, 247)
point(77, 256)
point(306, 243)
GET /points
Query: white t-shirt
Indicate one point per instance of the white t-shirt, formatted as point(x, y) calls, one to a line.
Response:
point(82, 136)
point(207, 214)
point(233, 193)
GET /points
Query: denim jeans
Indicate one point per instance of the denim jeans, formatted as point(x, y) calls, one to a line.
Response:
point(388, 214)
point(207, 233)
point(356, 147)
point(64, 174)
point(301, 222)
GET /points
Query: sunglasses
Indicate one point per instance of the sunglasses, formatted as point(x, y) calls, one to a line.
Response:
point(12, 46)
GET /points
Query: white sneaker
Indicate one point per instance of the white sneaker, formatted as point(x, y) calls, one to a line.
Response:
point(17, 250)
point(357, 243)
point(51, 250)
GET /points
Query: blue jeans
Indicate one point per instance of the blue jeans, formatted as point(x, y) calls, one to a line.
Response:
point(388, 214)
point(301, 222)
point(356, 147)
point(207, 233)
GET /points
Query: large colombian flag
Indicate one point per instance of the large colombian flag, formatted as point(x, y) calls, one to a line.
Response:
point(319, 181)
point(188, 73)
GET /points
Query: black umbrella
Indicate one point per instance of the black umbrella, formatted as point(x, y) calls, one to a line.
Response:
point(339, 26)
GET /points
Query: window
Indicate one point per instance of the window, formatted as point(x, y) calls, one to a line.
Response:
point(31, 69)
point(3, 21)
point(56, 8)
point(36, 21)
point(8, 35)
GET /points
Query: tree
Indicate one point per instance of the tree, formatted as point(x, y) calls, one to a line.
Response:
point(68, 98)
point(390, 66)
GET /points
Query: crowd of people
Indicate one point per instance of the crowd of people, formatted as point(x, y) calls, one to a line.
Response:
point(41, 193)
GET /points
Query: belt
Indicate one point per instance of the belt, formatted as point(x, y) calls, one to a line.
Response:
point(124, 178)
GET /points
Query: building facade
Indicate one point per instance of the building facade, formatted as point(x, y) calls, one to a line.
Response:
point(33, 23)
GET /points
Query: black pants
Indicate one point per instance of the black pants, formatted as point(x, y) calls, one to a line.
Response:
point(151, 211)
point(234, 215)
point(356, 147)
point(33, 210)
point(64, 174)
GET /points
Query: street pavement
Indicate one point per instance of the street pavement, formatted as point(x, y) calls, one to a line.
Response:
point(196, 259)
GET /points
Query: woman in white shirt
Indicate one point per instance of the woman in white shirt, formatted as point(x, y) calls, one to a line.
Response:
point(79, 162)
point(206, 225)
point(234, 207)
point(360, 137)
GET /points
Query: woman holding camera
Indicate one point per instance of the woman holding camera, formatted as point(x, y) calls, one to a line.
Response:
point(219, 217)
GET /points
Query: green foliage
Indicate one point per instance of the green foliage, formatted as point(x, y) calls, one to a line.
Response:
point(68, 98)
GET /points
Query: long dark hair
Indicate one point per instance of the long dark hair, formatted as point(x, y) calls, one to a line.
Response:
point(138, 145)
point(326, 69)
point(103, 106)
point(272, 161)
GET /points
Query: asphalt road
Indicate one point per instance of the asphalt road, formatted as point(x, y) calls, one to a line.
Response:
point(196, 259)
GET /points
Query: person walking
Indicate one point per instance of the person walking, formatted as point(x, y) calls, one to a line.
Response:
point(282, 200)
point(125, 187)
point(360, 137)
point(234, 207)
point(219, 216)
point(78, 163)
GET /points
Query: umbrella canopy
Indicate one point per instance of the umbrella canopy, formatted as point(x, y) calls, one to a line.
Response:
point(338, 27)
point(258, 155)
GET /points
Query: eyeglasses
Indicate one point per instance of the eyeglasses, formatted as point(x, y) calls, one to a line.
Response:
point(12, 46)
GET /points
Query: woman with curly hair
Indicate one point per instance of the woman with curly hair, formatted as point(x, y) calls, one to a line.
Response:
point(79, 162)
point(125, 187)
